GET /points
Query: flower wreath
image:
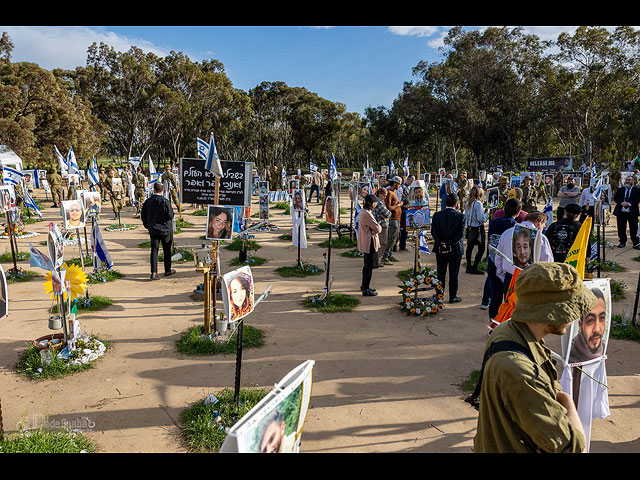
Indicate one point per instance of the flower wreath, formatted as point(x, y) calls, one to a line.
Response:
point(422, 306)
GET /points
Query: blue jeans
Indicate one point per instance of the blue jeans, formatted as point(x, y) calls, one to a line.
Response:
point(315, 188)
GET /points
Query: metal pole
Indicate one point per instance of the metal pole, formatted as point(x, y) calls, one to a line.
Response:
point(351, 222)
point(299, 238)
point(328, 261)
point(635, 305)
point(236, 396)
point(207, 302)
point(13, 252)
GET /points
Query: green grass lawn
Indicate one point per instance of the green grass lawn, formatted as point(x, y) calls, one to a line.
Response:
point(305, 270)
point(334, 302)
point(46, 441)
point(193, 342)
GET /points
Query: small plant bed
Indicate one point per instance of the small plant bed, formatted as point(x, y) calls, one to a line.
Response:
point(304, 270)
point(46, 441)
point(103, 275)
point(623, 330)
point(311, 221)
point(20, 235)
point(92, 304)
point(469, 385)
point(237, 244)
point(283, 205)
point(482, 266)
point(117, 227)
point(251, 261)
point(187, 256)
point(88, 349)
point(333, 302)
point(324, 226)
point(180, 224)
point(87, 260)
point(194, 342)
point(425, 280)
point(20, 276)
point(146, 244)
point(340, 242)
point(605, 266)
point(618, 288)
point(200, 213)
point(287, 236)
point(355, 253)
point(204, 424)
point(30, 220)
point(6, 257)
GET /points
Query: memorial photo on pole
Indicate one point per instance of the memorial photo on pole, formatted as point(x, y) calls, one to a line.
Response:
point(523, 244)
point(73, 214)
point(92, 203)
point(220, 222)
point(331, 210)
point(238, 293)
point(56, 246)
point(297, 200)
point(8, 196)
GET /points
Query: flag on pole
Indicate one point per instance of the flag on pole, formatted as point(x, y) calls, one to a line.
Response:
point(72, 164)
point(405, 166)
point(368, 163)
point(313, 167)
point(356, 219)
point(333, 169)
point(99, 247)
point(29, 202)
point(152, 168)
point(12, 176)
point(203, 148)
point(38, 259)
point(548, 211)
point(597, 190)
point(423, 245)
point(578, 252)
point(594, 174)
point(61, 161)
point(93, 174)
point(213, 161)
point(392, 167)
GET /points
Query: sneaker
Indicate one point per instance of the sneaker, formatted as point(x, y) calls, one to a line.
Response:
point(393, 259)
point(369, 293)
point(621, 245)
point(154, 276)
point(484, 306)
point(455, 300)
point(386, 261)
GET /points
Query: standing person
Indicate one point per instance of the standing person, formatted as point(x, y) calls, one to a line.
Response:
point(157, 216)
point(626, 212)
point(170, 178)
point(395, 207)
point(586, 203)
point(528, 195)
point(522, 407)
point(55, 182)
point(463, 189)
point(328, 192)
point(563, 232)
point(139, 181)
point(568, 194)
point(453, 188)
point(558, 181)
point(316, 183)
point(368, 243)
point(116, 195)
point(447, 230)
point(475, 218)
point(382, 215)
point(517, 194)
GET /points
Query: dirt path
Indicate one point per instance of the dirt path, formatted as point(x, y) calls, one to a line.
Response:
point(383, 381)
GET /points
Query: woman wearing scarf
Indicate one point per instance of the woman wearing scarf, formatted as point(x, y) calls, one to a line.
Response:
point(368, 243)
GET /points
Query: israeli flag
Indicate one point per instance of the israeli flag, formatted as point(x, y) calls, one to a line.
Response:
point(152, 168)
point(405, 166)
point(392, 167)
point(422, 242)
point(356, 219)
point(12, 176)
point(29, 202)
point(597, 190)
point(61, 161)
point(548, 211)
point(333, 169)
point(367, 163)
point(594, 251)
point(97, 243)
point(313, 167)
point(134, 161)
point(72, 164)
point(284, 175)
point(203, 148)
point(594, 174)
point(213, 161)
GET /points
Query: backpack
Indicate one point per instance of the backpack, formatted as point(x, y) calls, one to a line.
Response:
point(495, 347)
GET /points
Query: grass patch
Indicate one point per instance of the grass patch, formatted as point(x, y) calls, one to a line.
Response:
point(282, 205)
point(95, 303)
point(324, 226)
point(404, 275)
point(200, 213)
point(623, 331)
point(21, 276)
point(334, 302)
point(252, 262)
point(203, 431)
point(146, 244)
point(304, 270)
point(469, 385)
point(355, 253)
point(340, 242)
point(618, 288)
point(6, 257)
point(103, 276)
point(46, 441)
point(311, 221)
point(193, 342)
point(187, 256)
point(606, 266)
point(180, 224)
point(88, 261)
point(30, 220)
point(237, 244)
point(116, 227)
point(287, 236)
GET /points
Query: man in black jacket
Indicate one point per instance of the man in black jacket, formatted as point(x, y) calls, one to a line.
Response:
point(626, 211)
point(447, 230)
point(156, 217)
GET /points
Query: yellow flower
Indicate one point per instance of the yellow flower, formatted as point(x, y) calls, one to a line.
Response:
point(427, 280)
point(76, 278)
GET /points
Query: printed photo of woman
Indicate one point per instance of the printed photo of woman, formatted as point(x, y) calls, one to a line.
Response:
point(219, 222)
point(238, 293)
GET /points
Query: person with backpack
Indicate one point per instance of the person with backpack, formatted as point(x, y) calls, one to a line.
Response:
point(522, 408)
point(563, 232)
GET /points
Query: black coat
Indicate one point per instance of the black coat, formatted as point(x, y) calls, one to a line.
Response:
point(634, 198)
point(447, 226)
point(157, 214)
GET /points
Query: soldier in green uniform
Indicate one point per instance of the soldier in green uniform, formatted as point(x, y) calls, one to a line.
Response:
point(540, 191)
point(463, 189)
point(614, 179)
point(528, 195)
point(169, 177)
point(139, 181)
point(558, 181)
point(55, 182)
point(115, 193)
point(124, 176)
point(102, 178)
point(503, 189)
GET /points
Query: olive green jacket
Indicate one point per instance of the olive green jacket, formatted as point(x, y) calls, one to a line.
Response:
point(518, 408)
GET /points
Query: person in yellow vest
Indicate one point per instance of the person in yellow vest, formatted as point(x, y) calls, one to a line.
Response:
point(139, 181)
point(169, 177)
point(55, 182)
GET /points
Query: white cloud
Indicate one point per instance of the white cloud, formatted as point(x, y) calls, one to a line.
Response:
point(415, 31)
point(66, 47)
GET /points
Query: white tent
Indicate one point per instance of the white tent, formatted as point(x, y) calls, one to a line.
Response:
point(9, 158)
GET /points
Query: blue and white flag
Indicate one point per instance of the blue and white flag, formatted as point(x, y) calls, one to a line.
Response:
point(594, 251)
point(152, 168)
point(39, 259)
point(71, 162)
point(405, 166)
point(368, 163)
point(134, 162)
point(423, 245)
point(313, 167)
point(594, 174)
point(284, 175)
point(93, 174)
point(392, 167)
point(98, 244)
point(548, 211)
point(356, 219)
point(213, 160)
point(333, 169)
point(12, 176)
point(203, 148)
point(61, 161)
point(29, 202)
point(597, 190)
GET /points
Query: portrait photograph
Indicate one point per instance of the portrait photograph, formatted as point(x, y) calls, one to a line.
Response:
point(427, 178)
point(116, 185)
point(523, 245)
point(355, 177)
point(220, 221)
point(264, 207)
point(364, 189)
point(331, 209)
point(238, 293)
point(55, 244)
point(276, 432)
point(442, 172)
point(418, 196)
point(263, 187)
point(297, 200)
point(92, 203)
point(515, 181)
point(384, 170)
point(564, 164)
point(73, 214)
point(493, 197)
point(353, 192)
point(74, 180)
point(8, 196)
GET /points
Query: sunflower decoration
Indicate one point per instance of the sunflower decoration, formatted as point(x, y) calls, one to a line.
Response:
point(422, 306)
point(74, 277)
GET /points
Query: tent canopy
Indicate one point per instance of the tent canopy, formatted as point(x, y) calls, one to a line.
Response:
point(9, 158)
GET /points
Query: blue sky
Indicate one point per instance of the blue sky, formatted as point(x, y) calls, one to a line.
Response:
point(357, 66)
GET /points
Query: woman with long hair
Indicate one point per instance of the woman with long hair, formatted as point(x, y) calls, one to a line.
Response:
point(220, 223)
point(240, 303)
point(476, 237)
point(368, 243)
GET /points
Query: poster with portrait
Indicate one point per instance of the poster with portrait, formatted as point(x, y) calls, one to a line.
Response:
point(73, 214)
point(297, 201)
point(493, 197)
point(55, 244)
point(4, 295)
point(220, 221)
point(353, 192)
point(442, 172)
point(294, 184)
point(74, 180)
point(418, 194)
point(482, 175)
point(263, 187)
point(384, 170)
point(525, 244)
point(263, 212)
point(364, 189)
point(275, 424)
point(116, 186)
point(238, 293)
point(31, 179)
point(8, 196)
point(514, 181)
point(438, 179)
point(355, 177)
point(331, 209)
point(418, 217)
point(45, 185)
point(427, 179)
point(578, 179)
point(92, 203)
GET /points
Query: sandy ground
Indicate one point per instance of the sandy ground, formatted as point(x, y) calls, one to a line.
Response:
point(383, 381)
